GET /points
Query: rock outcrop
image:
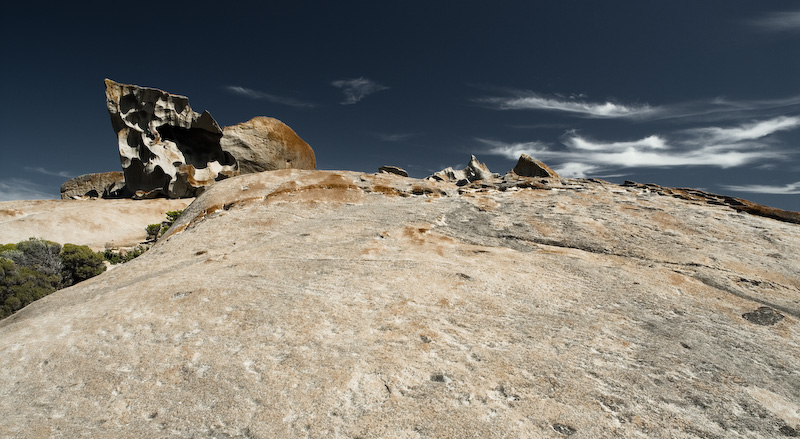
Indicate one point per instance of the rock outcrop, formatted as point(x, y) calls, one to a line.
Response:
point(527, 166)
point(474, 171)
point(393, 170)
point(340, 304)
point(104, 184)
point(166, 149)
point(266, 144)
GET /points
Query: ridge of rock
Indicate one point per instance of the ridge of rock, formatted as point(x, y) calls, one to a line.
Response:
point(302, 303)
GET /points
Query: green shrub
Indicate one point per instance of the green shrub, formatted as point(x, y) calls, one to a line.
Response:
point(154, 231)
point(40, 255)
point(172, 216)
point(20, 286)
point(6, 247)
point(32, 269)
point(80, 263)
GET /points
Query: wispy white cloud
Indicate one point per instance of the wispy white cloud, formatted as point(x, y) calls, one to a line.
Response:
point(20, 189)
point(778, 22)
point(747, 131)
point(357, 89)
point(575, 170)
point(713, 146)
point(255, 94)
point(574, 104)
point(44, 171)
point(651, 142)
point(719, 108)
point(395, 137)
point(788, 189)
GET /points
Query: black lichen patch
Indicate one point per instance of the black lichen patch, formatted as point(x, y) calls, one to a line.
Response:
point(438, 378)
point(566, 430)
point(763, 316)
point(789, 431)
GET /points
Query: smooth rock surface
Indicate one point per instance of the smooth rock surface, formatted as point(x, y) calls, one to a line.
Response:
point(166, 149)
point(97, 223)
point(339, 304)
point(266, 144)
point(93, 185)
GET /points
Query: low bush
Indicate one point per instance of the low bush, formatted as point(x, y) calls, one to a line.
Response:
point(154, 231)
point(79, 263)
point(32, 269)
point(122, 256)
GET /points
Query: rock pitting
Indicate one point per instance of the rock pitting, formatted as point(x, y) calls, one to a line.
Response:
point(165, 148)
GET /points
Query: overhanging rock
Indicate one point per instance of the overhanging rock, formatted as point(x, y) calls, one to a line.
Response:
point(165, 148)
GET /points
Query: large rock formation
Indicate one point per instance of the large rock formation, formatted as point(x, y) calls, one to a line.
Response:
point(166, 149)
point(104, 184)
point(266, 144)
point(339, 304)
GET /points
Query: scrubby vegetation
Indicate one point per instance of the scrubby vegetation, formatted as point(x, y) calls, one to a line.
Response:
point(32, 269)
point(122, 256)
point(154, 231)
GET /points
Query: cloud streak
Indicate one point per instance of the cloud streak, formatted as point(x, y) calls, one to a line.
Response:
point(574, 105)
point(20, 189)
point(778, 22)
point(255, 94)
point(719, 108)
point(723, 147)
point(788, 189)
point(748, 131)
point(44, 171)
point(357, 89)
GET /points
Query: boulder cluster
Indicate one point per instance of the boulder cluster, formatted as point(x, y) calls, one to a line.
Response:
point(168, 150)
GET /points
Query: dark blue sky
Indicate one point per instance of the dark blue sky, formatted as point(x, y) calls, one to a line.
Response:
point(703, 94)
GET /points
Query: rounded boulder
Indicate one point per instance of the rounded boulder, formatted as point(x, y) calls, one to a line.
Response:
point(266, 144)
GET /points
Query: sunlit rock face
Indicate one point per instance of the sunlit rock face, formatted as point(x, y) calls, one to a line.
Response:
point(266, 144)
point(165, 148)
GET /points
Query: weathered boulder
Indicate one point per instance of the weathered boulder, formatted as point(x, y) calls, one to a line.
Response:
point(528, 166)
point(266, 144)
point(93, 185)
point(475, 170)
point(393, 170)
point(166, 149)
